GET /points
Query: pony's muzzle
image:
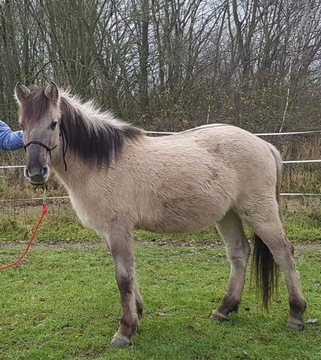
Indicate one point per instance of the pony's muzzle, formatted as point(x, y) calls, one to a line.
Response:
point(37, 176)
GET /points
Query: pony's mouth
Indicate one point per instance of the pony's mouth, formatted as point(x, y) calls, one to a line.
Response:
point(37, 184)
point(37, 179)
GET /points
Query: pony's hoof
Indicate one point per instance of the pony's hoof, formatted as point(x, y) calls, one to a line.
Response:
point(120, 342)
point(219, 316)
point(295, 326)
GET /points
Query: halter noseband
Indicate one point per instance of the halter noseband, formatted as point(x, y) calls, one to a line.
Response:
point(49, 149)
point(36, 142)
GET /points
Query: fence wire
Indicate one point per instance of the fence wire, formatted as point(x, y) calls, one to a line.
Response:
point(172, 133)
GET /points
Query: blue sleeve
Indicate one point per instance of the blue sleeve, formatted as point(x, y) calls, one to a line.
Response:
point(9, 140)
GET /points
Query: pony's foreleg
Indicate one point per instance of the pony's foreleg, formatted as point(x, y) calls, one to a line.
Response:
point(120, 243)
point(238, 251)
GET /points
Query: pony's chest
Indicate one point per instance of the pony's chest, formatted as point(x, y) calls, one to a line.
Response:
point(82, 210)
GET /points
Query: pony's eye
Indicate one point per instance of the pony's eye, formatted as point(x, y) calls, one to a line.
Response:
point(53, 125)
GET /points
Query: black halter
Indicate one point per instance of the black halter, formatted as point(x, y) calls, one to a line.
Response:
point(36, 142)
point(49, 149)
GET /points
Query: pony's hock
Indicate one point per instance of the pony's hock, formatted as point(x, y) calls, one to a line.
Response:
point(119, 179)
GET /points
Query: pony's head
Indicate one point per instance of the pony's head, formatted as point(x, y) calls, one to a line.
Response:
point(54, 121)
point(40, 117)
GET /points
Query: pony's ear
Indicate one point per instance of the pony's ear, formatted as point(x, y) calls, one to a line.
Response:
point(21, 92)
point(52, 92)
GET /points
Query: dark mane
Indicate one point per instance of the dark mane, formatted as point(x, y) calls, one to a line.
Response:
point(97, 138)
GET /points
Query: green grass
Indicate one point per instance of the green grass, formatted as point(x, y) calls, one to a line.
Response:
point(303, 227)
point(63, 303)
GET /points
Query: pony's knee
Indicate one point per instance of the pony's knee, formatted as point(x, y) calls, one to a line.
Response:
point(239, 261)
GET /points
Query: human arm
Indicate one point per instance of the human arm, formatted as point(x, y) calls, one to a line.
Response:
point(9, 140)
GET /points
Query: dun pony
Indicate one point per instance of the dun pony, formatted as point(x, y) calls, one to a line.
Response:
point(119, 179)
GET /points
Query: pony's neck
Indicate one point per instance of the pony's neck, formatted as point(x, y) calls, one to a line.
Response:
point(89, 136)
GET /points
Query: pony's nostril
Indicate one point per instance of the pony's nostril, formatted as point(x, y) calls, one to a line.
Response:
point(27, 173)
point(44, 171)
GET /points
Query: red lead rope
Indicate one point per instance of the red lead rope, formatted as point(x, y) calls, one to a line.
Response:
point(42, 215)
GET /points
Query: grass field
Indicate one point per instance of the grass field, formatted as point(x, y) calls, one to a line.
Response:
point(63, 303)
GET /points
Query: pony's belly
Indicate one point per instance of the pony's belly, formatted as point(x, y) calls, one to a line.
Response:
point(178, 227)
point(177, 221)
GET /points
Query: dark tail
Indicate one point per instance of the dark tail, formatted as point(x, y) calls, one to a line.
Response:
point(264, 269)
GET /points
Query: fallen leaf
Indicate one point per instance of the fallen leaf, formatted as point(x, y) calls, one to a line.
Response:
point(312, 320)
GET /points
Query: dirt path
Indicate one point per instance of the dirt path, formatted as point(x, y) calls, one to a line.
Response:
point(302, 246)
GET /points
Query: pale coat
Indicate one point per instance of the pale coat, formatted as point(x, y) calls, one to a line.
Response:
point(119, 179)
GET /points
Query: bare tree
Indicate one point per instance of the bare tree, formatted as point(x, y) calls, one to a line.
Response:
point(171, 63)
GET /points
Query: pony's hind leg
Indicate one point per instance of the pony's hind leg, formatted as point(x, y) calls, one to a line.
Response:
point(238, 251)
point(120, 243)
point(267, 226)
point(138, 299)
